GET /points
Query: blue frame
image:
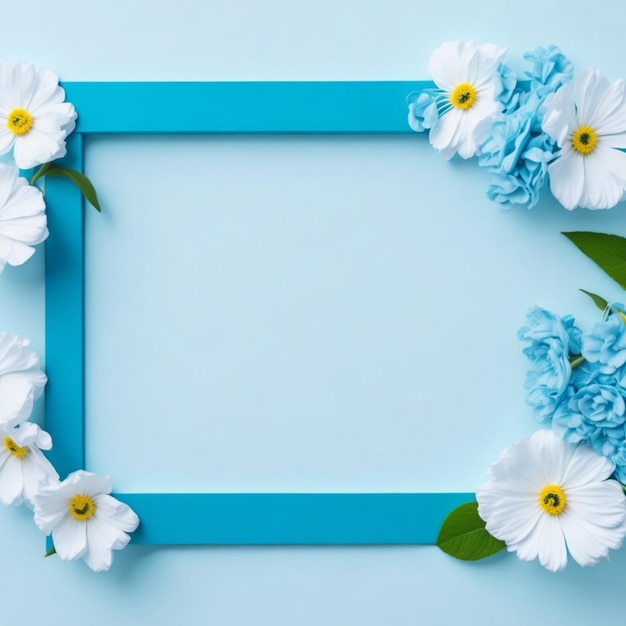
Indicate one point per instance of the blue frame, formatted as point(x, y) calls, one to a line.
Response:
point(202, 108)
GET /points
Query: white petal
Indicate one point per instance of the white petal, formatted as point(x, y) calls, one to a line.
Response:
point(589, 88)
point(605, 178)
point(116, 513)
point(552, 550)
point(445, 65)
point(591, 532)
point(567, 178)
point(98, 555)
point(16, 398)
point(70, 538)
point(11, 483)
point(584, 467)
point(551, 456)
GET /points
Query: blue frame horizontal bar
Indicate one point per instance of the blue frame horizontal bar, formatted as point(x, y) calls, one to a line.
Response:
point(292, 519)
point(272, 107)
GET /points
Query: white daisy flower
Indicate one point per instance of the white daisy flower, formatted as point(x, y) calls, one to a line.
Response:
point(545, 497)
point(34, 120)
point(587, 119)
point(23, 221)
point(23, 468)
point(468, 82)
point(21, 379)
point(84, 520)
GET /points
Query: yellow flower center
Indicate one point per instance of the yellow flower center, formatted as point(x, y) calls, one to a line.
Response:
point(552, 500)
point(464, 96)
point(20, 121)
point(12, 448)
point(584, 140)
point(82, 507)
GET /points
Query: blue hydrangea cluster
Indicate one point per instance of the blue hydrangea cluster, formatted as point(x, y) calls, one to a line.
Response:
point(577, 381)
point(516, 151)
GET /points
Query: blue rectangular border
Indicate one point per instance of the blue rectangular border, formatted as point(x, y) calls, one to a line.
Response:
point(204, 108)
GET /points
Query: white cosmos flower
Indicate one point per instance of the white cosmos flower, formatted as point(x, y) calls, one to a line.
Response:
point(21, 379)
point(468, 82)
point(23, 468)
point(23, 222)
point(84, 520)
point(34, 120)
point(545, 496)
point(587, 119)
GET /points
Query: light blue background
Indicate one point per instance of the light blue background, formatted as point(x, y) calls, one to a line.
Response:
point(467, 306)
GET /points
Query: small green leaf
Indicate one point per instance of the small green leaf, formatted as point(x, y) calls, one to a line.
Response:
point(84, 185)
point(50, 552)
point(463, 535)
point(600, 302)
point(606, 251)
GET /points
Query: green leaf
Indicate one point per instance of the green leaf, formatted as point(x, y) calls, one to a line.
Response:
point(606, 251)
point(600, 302)
point(84, 185)
point(463, 535)
point(50, 552)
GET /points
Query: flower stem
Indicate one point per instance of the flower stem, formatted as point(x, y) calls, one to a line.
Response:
point(576, 361)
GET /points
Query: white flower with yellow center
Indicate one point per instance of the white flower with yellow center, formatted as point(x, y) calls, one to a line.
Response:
point(84, 520)
point(545, 497)
point(34, 119)
point(23, 222)
point(468, 81)
point(587, 119)
point(23, 468)
point(21, 379)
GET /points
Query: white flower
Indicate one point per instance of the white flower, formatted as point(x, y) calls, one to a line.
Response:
point(85, 521)
point(21, 379)
point(22, 218)
point(468, 82)
point(545, 494)
point(587, 119)
point(23, 468)
point(34, 120)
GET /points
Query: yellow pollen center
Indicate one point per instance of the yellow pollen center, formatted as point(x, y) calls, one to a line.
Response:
point(82, 507)
point(19, 121)
point(584, 140)
point(552, 500)
point(464, 96)
point(12, 448)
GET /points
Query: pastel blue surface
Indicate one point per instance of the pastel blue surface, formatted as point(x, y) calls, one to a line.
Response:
point(279, 40)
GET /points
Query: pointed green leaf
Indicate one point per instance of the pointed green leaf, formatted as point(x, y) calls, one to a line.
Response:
point(50, 552)
point(80, 180)
point(463, 535)
point(600, 302)
point(607, 251)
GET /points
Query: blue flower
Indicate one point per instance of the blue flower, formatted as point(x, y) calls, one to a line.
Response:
point(509, 90)
point(552, 341)
point(551, 69)
point(543, 324)
point(518, 157)
point(605, 343)
point(423, 113)
point(516, 150)
point(601, 406)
